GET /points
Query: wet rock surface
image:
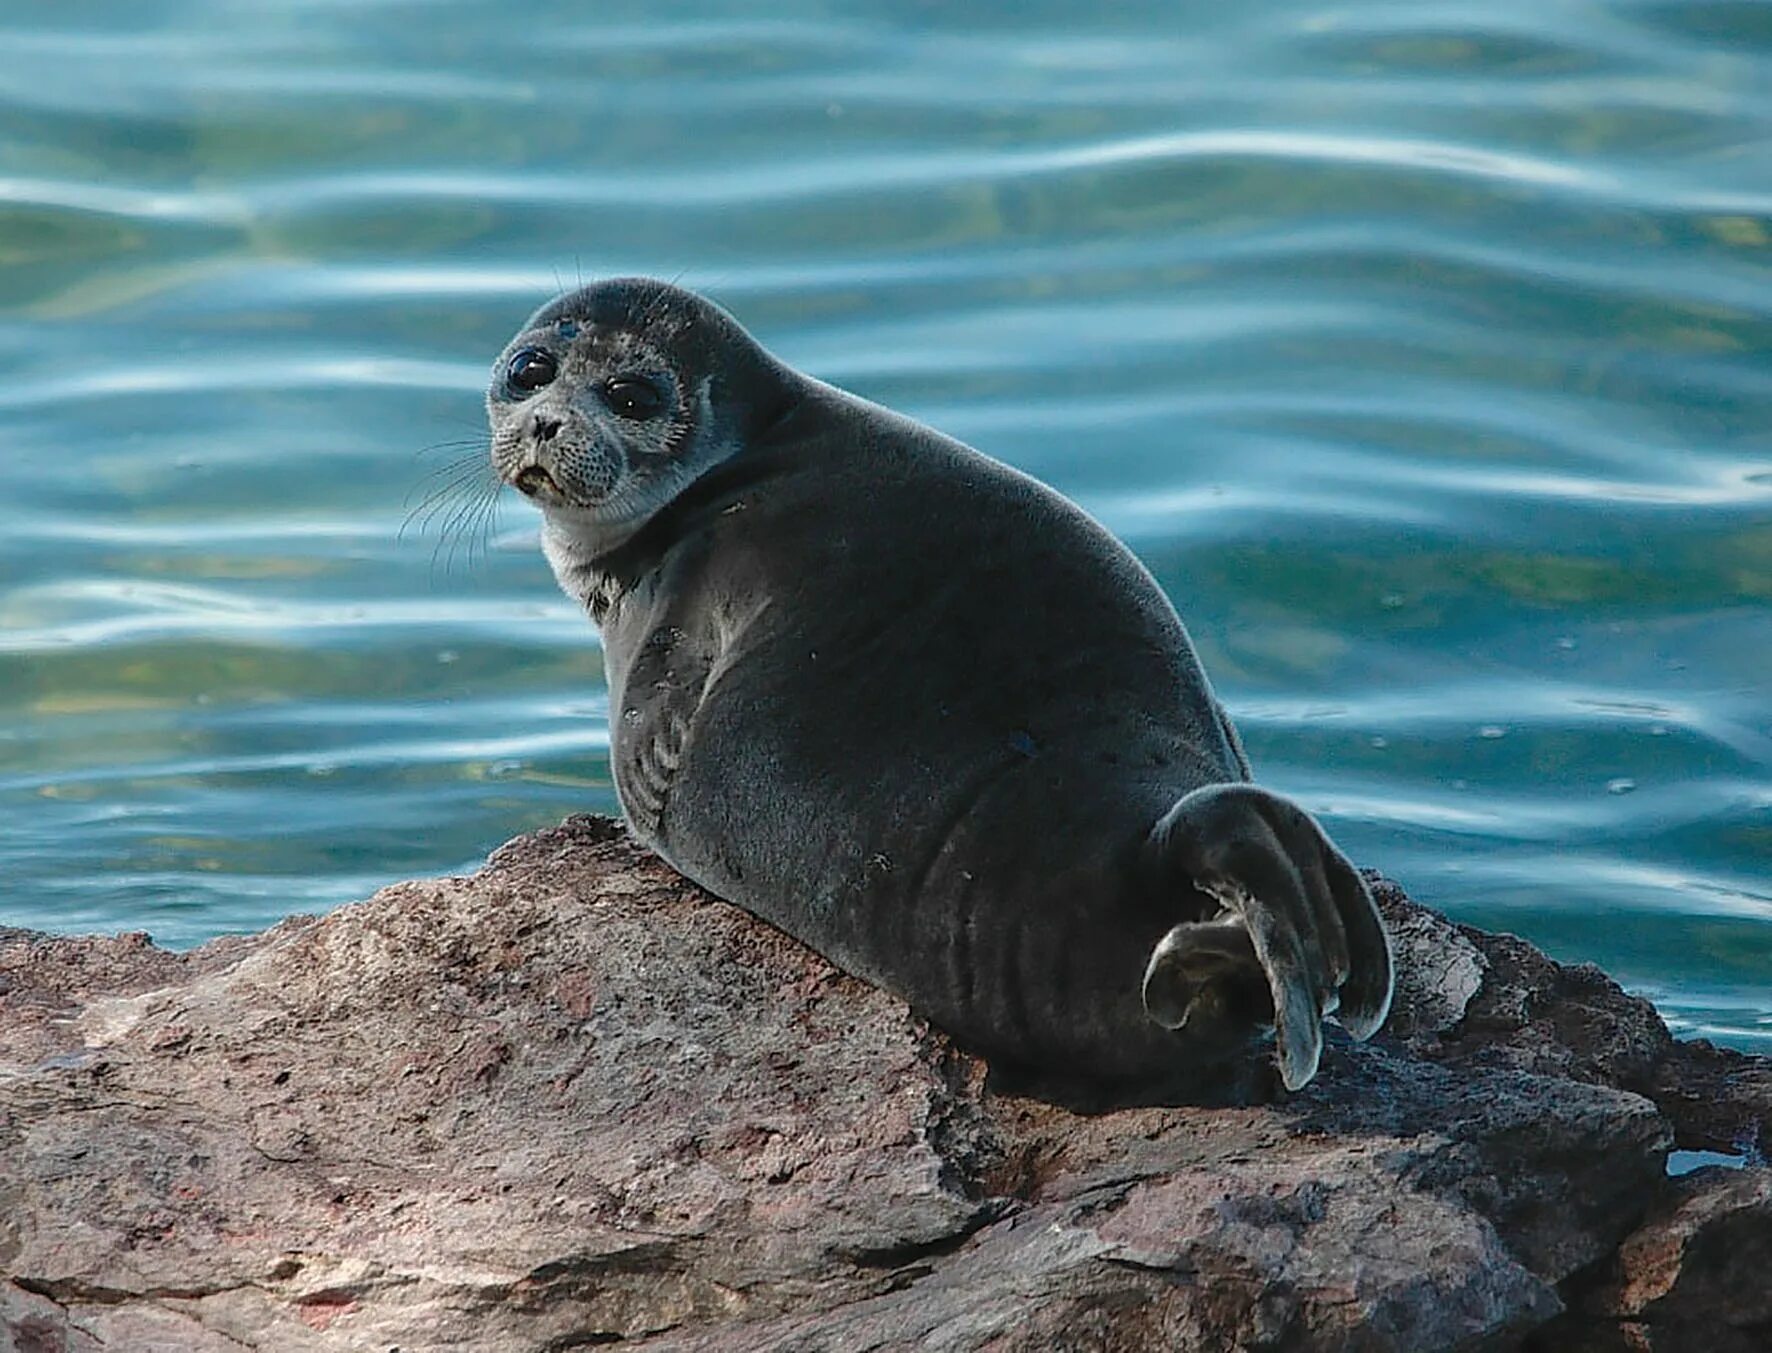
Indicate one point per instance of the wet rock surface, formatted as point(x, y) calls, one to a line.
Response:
point(572, 1100)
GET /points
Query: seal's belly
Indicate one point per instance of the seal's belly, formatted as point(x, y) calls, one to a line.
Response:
point(943, 796)
point(947, 852)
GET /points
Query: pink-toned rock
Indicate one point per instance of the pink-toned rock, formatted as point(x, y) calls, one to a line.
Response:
point(1692, 1279)
point(573, 1100)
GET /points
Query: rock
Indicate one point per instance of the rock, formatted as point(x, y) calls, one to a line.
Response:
point(1719, 1099)
point(573, 1100)
point(1691, 1279)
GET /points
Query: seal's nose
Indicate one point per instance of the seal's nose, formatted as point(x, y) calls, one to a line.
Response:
point(543, 428)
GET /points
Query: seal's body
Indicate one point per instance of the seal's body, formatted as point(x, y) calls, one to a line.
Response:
point(923, 713)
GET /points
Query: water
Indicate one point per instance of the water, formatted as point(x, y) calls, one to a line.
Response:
point(1420, 349)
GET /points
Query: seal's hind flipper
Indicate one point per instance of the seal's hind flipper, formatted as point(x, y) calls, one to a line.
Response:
point(1204, 977)
point(1291, 909)
point(1365, 997)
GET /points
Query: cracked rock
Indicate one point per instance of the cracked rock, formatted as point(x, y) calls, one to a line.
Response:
point(571, 1099)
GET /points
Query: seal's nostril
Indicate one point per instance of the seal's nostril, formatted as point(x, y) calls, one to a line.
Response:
point(545, 428)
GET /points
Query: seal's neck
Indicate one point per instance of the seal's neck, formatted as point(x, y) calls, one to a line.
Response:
point(577, 557)
point(596, 563)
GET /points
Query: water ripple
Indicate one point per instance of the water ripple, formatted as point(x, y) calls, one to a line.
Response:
point(1417, 348)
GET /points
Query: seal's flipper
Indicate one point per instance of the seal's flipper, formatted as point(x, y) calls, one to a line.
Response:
point(1366, 994)
point(1307, 924)
point(1204, 977)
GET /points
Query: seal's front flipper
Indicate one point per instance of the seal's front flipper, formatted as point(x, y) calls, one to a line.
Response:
point(1295, 921)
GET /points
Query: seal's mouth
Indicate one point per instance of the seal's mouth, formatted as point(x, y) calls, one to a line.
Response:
point(536, 482)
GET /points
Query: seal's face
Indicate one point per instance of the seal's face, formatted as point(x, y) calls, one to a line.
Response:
point(616, 397)
point(596, 423)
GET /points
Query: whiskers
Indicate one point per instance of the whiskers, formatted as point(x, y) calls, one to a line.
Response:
point(458, 500)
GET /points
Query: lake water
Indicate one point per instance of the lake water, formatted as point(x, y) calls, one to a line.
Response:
point(1420, 348)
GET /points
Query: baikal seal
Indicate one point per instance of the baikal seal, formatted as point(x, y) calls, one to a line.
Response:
point(921, 712)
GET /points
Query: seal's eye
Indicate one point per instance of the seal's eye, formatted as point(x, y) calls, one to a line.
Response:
point(531, 369)
point(632, 397)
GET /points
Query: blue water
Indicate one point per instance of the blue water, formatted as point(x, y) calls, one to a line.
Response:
point(1420, 348)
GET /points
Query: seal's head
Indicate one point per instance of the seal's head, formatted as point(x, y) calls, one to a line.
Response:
point(616, 396)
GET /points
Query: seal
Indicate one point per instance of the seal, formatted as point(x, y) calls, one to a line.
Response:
point(920, 711)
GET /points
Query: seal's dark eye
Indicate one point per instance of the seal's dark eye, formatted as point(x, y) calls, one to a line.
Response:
point(531, 369)
point(632, 397)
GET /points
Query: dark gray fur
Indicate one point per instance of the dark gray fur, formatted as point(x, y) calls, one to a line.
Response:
point(927, 716)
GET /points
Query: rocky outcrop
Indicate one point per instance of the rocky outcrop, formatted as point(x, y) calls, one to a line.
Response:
point(572, 1100)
